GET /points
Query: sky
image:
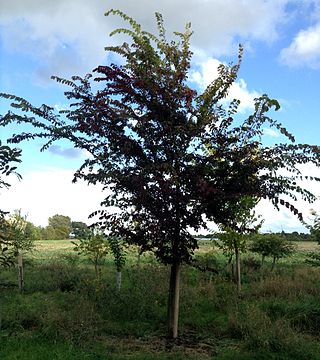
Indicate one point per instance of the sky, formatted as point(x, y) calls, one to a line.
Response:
point(281, 40)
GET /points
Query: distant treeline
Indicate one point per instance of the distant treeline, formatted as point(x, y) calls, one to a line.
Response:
point(59, 227)
point(293, 236)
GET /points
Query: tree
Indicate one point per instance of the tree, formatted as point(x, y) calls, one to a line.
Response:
point(80, 230)
point(61, 225)
point(315, 227)
point(6, 254)
point(117, 248)
point(313, 258)
point(272, 245)
point(21, 239)
point(48, 233)
point(147, 133)
point(32, 232)
point(14, 238)
point(95, 247)
point(8, 157)
point(235, 234)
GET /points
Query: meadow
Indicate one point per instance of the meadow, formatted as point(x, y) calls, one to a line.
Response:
point(66, 312)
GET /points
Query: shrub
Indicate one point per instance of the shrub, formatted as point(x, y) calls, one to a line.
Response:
point(95, 248)
point(272, 245)
point(14, 238)
point(251, 263)
point(313, 258)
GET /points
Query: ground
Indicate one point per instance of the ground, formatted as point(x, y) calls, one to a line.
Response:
point(67, 312)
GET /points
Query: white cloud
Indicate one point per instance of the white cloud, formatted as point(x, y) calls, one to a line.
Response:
point(70, 152)
point(278, 220)
point(61, 107)
point(282, 219)
point(239, 91)
point(304, 49)
point(69, 36)
point(49, 191)
point(271, 132)
point(43, 193)
point(208, 72)
point(286, 220)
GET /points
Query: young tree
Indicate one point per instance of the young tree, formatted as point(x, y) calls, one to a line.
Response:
point(117, 248)
point(313, 257)
point(147, 132)
point(235, 234)
point(8, 157)
point(7, 257)
point(272, 245)
point(315, 227)
point(21, 239)
point(95, 247)
point(14, 238)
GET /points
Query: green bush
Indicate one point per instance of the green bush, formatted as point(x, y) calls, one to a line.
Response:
point(313, 258)
point(272, 245)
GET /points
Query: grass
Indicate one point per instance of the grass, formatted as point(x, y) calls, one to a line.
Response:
point(67, 313)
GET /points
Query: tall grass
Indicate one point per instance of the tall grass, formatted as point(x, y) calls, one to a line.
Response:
point(67, 310)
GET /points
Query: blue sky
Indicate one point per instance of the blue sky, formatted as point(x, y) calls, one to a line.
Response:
point(38, 39)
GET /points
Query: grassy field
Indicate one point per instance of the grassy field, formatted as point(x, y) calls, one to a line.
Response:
point(66, 312)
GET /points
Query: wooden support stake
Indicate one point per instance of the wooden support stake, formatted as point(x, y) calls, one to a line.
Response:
point(20, 272)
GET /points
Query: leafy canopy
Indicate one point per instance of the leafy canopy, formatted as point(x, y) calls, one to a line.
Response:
point(80, 230)
point(167, 154)
point(272, 245)
point(315, 227)
point(240, 228)
point(8, 156)
point(14, 238)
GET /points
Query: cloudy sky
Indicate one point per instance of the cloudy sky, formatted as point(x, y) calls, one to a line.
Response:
point(67, 37)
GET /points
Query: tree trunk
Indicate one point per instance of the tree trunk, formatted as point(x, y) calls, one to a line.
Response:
point(262, 260)
point(20, 272)
point(233, 273)
point(0, 317)
point(238, 270)
point(139, 258)
point(273, 263)
point(173, 301)
point(230, 269)
point(118, 280)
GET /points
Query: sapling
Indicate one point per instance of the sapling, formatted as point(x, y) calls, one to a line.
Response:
point(95, 248)
point(117, 248)
point(235, 234)
point(272, 245)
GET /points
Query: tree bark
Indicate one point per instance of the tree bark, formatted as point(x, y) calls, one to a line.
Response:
point(273, 263)
point(173, 301)
point(238, 270)
point(118, 280)
point(20, 272)
point(230, 269)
